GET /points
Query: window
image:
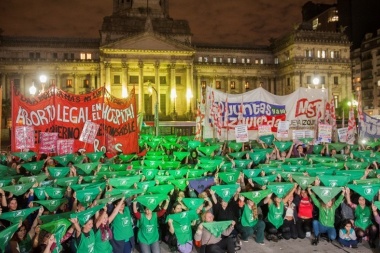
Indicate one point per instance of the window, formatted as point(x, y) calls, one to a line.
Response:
point(261, 61)
point(200, 59)
point(82, 56)
point(69, 83)
point(229, 60)
point(256, 61)
point(288, 81)
point(336, 80)
point(162, 79)
point(218, 85)
point(315, 24)
point(214, 59)
point(66, 56)
point(248, 60)
point(308, 53)
point(232, 85)
point(308, 79)
point(242, 60)
point(86, 83)
point(89, 56)
point(16, 83)
point(220, 60)
point(321, 53)
point(203, 84)
point(234, 60)
point(31, 55)
point(276, 60)
point(178, 80)
point(323, 80)
point(38, 55)
point(334, 54)
point(205, 59)
point(52, 82)
point(336, 101)
point(71, 56)
point(116, 79)
point(133, 80)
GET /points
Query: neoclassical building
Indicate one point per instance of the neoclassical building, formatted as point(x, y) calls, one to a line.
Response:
point(141, 46)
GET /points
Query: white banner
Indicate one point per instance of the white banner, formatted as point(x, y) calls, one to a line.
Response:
point(259, 107)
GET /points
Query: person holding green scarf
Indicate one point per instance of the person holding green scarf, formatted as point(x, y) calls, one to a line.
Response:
point(250, 223)
point(179, 223)
point(85, 237)
point(275, 216)
point(363, 219)
point(325, 222)
point(122, 228)
point(148, 235)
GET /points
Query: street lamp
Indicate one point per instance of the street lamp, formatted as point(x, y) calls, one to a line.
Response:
point(32, 90)
point(156, 122)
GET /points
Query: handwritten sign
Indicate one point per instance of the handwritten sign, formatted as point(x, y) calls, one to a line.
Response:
point(24, 137)
point(241, 133)
point(342, 134)
point(65, 146)
point(48, 142)
point(89, 132)
point(264, 130)
point(283, 129)
point(324, 133)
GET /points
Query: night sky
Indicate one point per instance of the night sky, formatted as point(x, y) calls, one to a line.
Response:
point(230, 22)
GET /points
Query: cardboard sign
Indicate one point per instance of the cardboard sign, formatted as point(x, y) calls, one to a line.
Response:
point(241, 133)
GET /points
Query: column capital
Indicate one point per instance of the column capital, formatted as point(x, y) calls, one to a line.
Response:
point(157, 64)
point(124, 65)
point(141, 64)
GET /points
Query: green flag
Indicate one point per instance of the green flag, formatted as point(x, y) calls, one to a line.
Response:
point(24, 155)
point(361, 153)
point(95, 156)
point(193, 144)
point(67, 181)
point(170, 165)
point(196, 173)
point(319, 171)
point(256, 196)
point(54, 217)
point(180, 184)
point(216, 228)
point(280, 189)
point(16, 216)
point(193, 203)
point(229, 177)
point(178, 174)
point(306, 140)
point(354, 174)
point(52, 204)
point(146, 184)
point(58, 172)
point(18, 189)
point(85, 215)
point(160, 189)
point(238, 155)
point(153, 164)
point(337, 146)
point(287, 167)
point(322, 159)
point(125, 182)
point(151, 201)
point(127, 157)
point(77, 159)
point(208, 167)
point(242, 164)
point(208, 150)
point(317, 149)
point(366, 191)
point(235, 146)
point(296, 161)
point(302, 181)
point(58, 228)
point(357, 165)
point(5, 182)
point(326, 193)
point(78, 187)
point(87, 167)
point(6, 235)
point(40, 192)
point(87, 195)
point(63, 159)
point(149, 173)
point(163, 179)
point(264, 180)
point(55, 192)
point(34, 167)
point(225, 192)
point(267, 139)
point(257, 157)
point(334, 181)
point(251, 173)
point(32, 179)
point(283, 145)
point(180, 155)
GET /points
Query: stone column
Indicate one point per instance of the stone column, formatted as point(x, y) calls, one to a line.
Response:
point(141, 88)
point(75, 86)
point(189, 87)
point(173, 88)
point(93, 85)
point(229, 84)
point(108, 76)
point(157, 84)
point(124, 79)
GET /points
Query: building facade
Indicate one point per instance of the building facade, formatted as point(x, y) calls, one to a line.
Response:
point(141, 46)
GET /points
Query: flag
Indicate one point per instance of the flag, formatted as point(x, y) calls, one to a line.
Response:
point(334, 181)
point(151, 201)
point(85, 215)
point(326, 193)
point(241, 112)
point(225, 123)
point(86, 196)
point(264, 180)
point(351, 127)
point(193, 203)
point(6, 235)
point(34, 167)
point(55, 192)
point(66, 181)
point(333, 115)
point(180, 184)
point(304, 182)
point(52, 204)
point(161, 189)
point(219, 124)
point(280, 189)
point(87, 168)
point(200, 185)
point(225, 192)
point(256, 196)
point(199, 121)
point(229, 177)
point(58, 172)
point(216, 228)
point(18, 189)
point(32, 179)
point(16, 216)
point(124, 182)
point(366, 191)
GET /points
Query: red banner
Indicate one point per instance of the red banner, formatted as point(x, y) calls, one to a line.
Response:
point(56, 111)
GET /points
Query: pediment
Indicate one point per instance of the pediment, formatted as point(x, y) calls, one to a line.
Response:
point(148, 42)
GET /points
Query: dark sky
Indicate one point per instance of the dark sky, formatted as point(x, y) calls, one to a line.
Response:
point(211, 21)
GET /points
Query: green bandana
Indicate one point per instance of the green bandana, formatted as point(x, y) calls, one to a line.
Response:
point(296, 161)
point(149, 173)
point(145, 185)
point(256, 196)
point(177, 174)
point(161, 189)
point(126, 158)
point(326, 193)
point(86, 215)
point(264, 180)
point(52, 204)
point(238, 155)
point(317, 149)
point(235, 146)
point(368, 181)
point(317, 171)
point(322, 159)
point(304, 182)
point(67, 181)
point(163, 179)
point(153, 144)
point(229, 177)
point(16, 216)
point(267, 139)
point(87, 167)
point(193, 144)
point(18, 189)
point(54, 217)
point(151, 201)
point(354, 174)
point(87, 195)
point(361, 154)
point(280, 189)
point(216, 228)
point(24, 155)
point(58, 228)
point(95, 156)
point(55, 193)
point(180, 155)
point(226, 167)
point(180, 184)
point(170, 165)
point(127, 193)
point(357, 165)
point(270, 170)
point(225, 192)
point(40, 193)
point(124, 182)
point(153, 164)
point(337, 146)
point(34, 167)
point(306, 140)
point(334, 181)
point(242, 164)
point(58, 172)
point(193, 203)
point(336, 165)
point(32, 179)
point(377, 204)
point(283, 146)
point(5, 182)
point(366, 191)
point(6, 235)
point(63, 159)
point(155, 153)
point(109, 199)
point(257, 157)
point(251, 173)
point(208, 150)
point(196, 173)
point(77, 187)
point(77, 159)
point(289, 168)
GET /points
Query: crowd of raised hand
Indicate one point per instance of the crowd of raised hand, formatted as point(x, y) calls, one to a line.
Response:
point(189, 193)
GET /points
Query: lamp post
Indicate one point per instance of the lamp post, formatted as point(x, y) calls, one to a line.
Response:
point(32, 89)
point(156, 121)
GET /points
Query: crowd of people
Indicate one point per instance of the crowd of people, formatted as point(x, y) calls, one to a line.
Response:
point(188, 193)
